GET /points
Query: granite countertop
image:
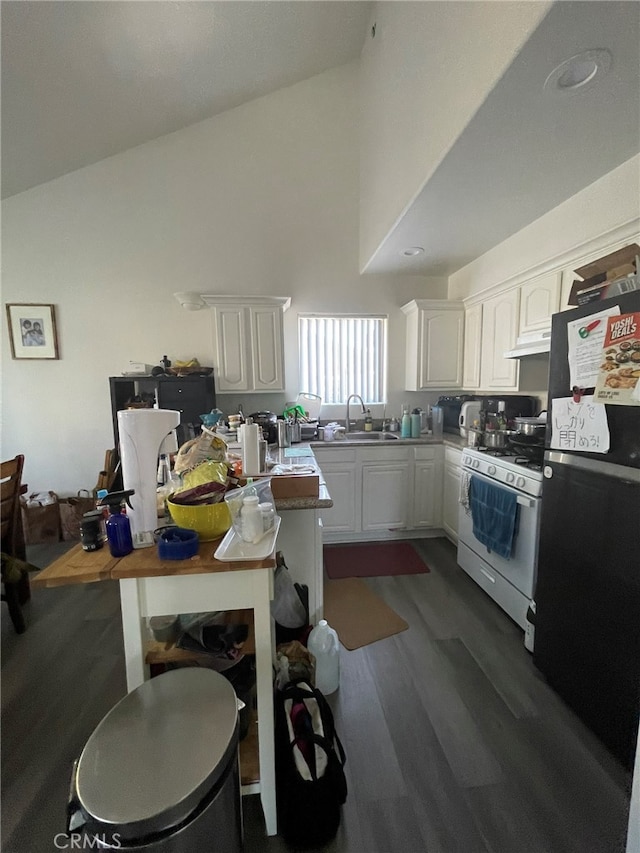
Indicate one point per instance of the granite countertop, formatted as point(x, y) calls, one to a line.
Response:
point(299, 454)
point(367, 442)
point(302, 454)
point(323, 501)
point(457, 441)
point(448, 439)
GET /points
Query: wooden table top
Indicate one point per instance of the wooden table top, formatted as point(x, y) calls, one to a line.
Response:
point(79, 566)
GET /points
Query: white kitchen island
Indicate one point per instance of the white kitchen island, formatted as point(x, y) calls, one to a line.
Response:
point(150, 586)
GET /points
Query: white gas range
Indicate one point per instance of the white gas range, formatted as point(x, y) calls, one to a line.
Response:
point(509, 581)
point(505, 467)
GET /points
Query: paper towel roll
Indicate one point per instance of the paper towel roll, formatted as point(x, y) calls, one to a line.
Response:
point(250, 450)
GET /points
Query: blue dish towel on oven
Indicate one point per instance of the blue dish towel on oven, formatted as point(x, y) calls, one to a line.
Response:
point(494, 515)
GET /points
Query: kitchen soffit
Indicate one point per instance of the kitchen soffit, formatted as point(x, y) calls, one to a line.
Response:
point(526, 150)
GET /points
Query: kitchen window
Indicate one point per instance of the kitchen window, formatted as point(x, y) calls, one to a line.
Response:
point(342, 355)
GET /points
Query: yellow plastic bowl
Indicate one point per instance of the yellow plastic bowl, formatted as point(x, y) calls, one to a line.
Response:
point(210, 521)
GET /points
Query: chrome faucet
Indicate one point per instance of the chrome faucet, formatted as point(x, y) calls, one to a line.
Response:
point(347, 424)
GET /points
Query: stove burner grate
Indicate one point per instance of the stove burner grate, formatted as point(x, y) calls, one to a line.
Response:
point(532, 464)
point(496, 451)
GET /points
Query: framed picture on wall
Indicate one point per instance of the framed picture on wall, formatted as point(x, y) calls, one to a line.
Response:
point(32, 331)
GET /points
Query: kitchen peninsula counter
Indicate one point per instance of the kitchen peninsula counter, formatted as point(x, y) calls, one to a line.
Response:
point(305, 460)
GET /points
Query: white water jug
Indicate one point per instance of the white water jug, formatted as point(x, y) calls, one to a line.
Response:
point(324, 645)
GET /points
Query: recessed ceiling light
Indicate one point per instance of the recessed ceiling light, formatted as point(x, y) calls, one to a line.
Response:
point(413, 250)
point(580, 72)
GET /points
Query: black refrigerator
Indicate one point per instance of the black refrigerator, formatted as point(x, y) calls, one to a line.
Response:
point(587, 594)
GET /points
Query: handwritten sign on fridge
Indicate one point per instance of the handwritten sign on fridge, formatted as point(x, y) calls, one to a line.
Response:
point(581, 427)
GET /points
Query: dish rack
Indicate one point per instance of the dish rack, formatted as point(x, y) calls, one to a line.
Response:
point(311, 404)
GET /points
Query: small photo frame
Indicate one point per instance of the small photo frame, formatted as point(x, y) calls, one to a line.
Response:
point(32, 331)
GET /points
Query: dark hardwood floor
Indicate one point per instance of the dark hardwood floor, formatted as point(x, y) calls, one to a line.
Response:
point(454, 742)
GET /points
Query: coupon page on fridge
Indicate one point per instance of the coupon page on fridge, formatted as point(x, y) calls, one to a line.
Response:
point(586, 339)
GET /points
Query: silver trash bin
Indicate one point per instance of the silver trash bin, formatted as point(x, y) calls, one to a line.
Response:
point(160, 772)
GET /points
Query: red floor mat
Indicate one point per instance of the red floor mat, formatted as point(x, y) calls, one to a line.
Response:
point(372, 559)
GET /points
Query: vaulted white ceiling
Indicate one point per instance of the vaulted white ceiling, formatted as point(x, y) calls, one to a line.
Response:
point(84, 80)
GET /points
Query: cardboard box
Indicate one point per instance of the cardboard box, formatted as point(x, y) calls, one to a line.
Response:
point(293, 485)
point(612, 275)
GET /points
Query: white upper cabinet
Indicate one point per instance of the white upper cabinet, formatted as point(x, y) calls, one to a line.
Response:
point(435, 332)
point(232, 348)
point(472, 347)
point(267, 348)
point(249, 343)
point(539, 299)
point(500, 316)
point(568, 276)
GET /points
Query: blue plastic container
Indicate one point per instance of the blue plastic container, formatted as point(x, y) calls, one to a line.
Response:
point(178, 543)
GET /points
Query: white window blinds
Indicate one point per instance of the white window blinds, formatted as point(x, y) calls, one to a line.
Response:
point(342, 355)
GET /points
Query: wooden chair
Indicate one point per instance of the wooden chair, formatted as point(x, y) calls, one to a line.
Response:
point(15, 580)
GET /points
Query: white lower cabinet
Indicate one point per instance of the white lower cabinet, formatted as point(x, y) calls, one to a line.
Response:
point(339, 470)
point(427, 488)
point(451, 492)
point(385, 498)
point(381, 492)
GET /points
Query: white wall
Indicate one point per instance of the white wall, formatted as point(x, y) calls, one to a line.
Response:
point(262, 199)
point(610, 206)
point(603, 213)
point(424, 75)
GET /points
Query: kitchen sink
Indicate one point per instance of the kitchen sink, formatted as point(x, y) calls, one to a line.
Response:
point(361, 435)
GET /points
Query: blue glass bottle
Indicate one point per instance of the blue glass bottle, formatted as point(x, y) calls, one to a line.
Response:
point(119, 534)
point(118, 525)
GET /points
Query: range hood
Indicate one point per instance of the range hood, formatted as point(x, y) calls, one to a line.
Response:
point(532, 344)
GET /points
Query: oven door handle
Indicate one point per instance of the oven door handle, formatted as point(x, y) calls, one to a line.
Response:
point(528, 502)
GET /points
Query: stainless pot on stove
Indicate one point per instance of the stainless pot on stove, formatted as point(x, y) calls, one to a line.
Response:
point(530, 426)
point(496, 439)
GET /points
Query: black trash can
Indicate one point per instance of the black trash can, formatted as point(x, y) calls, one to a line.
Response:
point(160, 772)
